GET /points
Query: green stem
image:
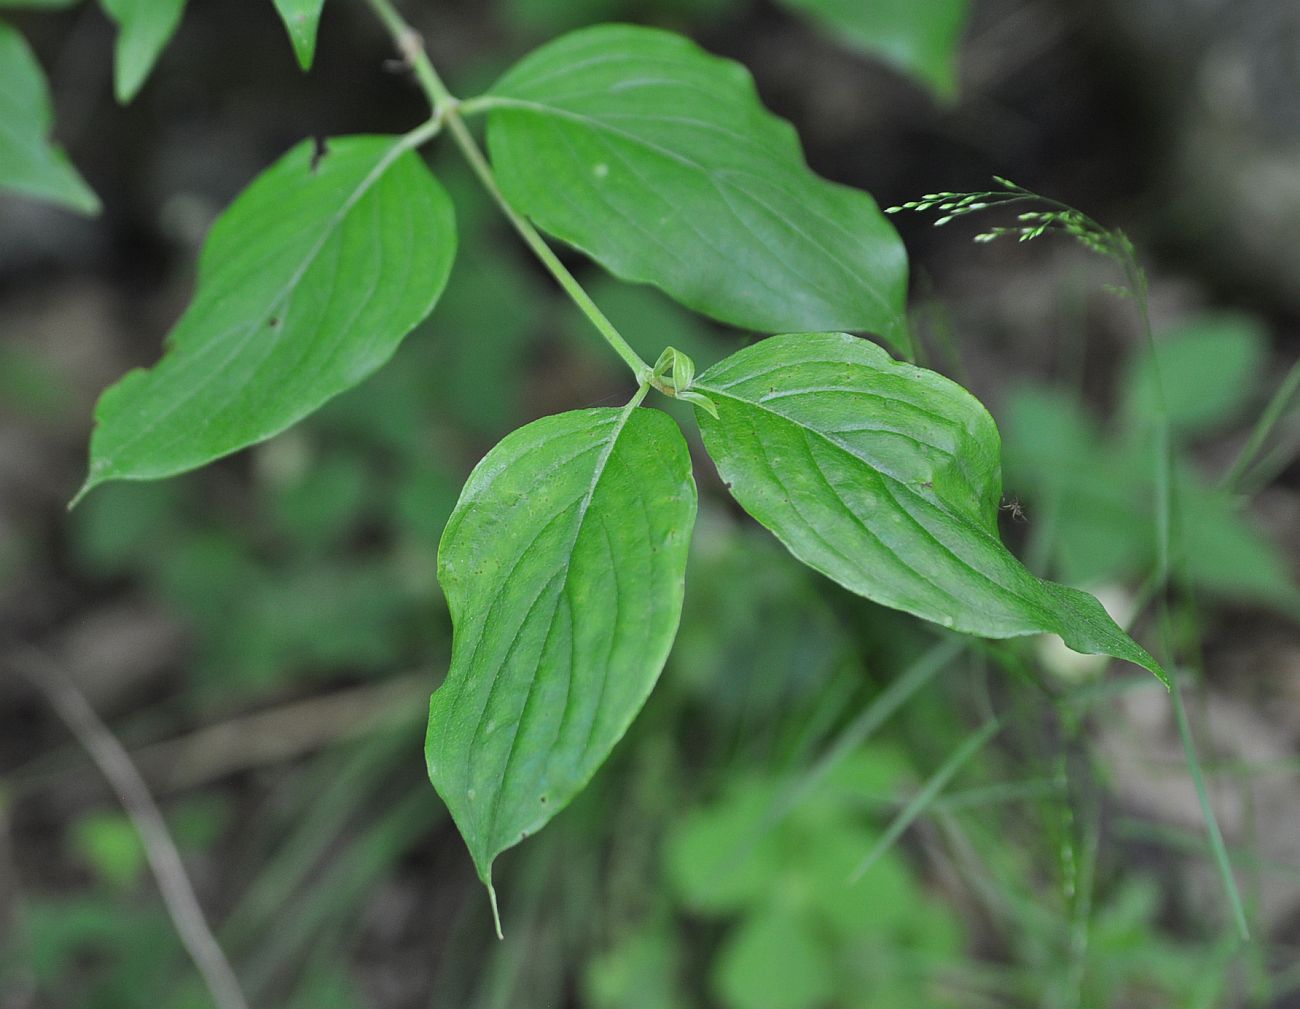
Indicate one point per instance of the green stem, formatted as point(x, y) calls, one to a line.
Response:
point(423, 133)
point(474, 155)
point(471, 107)
point(928, 793)
point(1276, 409)
point(411, 45)
point(446, 107)
point(1137, 282)
point(1217, 845)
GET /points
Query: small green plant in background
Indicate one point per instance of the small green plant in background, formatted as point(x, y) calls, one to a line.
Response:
point(1093, 480)
point(803, 937)
point(1150, 403)
point(119, 948)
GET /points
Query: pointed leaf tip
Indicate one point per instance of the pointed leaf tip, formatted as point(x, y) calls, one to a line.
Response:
point(886, 478)
point(30, 164)
point(143, 31)
point(496, 911)
point(352, 251)
point(302, 21)
point(564, 566)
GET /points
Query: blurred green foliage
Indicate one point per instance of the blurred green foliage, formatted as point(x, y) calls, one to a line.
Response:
point(1089, 485)
point(919, 39)
point(807, 937)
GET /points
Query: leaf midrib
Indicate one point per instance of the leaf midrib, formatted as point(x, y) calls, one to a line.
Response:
point(1036, 607)
point(720, 178)
point(598, 472)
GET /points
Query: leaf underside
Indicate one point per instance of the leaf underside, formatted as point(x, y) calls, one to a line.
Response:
point(307, 284)
point(30, 164)
point(563, 566)
point(674, 174)
point(885, 477)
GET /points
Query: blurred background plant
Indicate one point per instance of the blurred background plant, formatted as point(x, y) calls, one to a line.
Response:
point(263, 635)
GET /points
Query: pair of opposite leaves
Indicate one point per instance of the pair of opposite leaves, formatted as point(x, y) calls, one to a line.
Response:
point(563, 563)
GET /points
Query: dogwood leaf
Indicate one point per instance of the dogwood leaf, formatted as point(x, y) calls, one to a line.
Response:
point(659, 161)
point(30, 164)
point(563, 565)
point(886, 478)
point(301, 19)
point(144, 27)
point(307, 284)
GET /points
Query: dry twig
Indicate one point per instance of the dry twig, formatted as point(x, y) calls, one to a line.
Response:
point(164, 860)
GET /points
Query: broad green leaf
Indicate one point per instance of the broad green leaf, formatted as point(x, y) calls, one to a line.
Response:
point(301, 18)
point(885, 477)
point(144, 27)
point(307, 284)
point(1210, 368)
point(642, 971)
point(563, 566)
point(1222, 551)
point(1097, 495)
point(29, 163)
point(724, 857)
point(551, 18)
point(658, 160)
point(918, 38)
point(774, 960)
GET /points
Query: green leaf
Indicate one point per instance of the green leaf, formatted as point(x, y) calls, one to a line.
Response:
point(29, 163)
point(658, 160)
point(144, 27)
point(723, 858)
point(307, 284)
point(1224, 553)
point(920, 39)
point(563, 566)
point(550, 18)
point(641, 972)
point(774, 960)
point(1210, 369)
point(1097, 497)
point(111, 845)
point(885, 477)
point(301, 18)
